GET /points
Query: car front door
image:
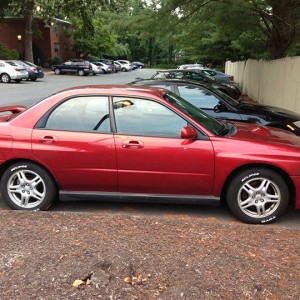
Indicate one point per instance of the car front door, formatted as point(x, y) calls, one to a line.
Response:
point(152, 157)
point(78, 135)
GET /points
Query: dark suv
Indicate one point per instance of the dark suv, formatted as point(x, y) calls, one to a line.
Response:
point(80, 67)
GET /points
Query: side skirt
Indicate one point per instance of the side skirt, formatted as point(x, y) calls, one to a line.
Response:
point(146, 198)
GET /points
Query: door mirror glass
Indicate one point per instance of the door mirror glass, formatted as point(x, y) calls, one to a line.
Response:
point(220, 107)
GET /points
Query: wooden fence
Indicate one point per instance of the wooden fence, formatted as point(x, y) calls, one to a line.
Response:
point(275, 82)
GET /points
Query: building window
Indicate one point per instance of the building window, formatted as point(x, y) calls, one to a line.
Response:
point(57, 48)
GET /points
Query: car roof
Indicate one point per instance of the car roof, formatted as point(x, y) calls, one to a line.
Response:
point(203, 84)
point(118, 89)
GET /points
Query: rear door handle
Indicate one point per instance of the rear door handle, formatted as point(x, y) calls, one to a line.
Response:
point(48, 139)
point(133, 144)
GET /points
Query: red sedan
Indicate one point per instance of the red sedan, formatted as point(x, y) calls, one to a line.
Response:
point(143, 144)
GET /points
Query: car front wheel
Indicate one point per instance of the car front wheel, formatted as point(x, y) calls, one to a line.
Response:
point(5, 78)
point(27, 186)
point(257, 195)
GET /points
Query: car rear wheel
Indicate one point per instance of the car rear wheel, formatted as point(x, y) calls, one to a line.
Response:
point(27, 186)
point(33, 79)
point(103, 71)
point(5, 78)
point(124, 69)
point(80, 72)
point(57, 72)
point(257, 195)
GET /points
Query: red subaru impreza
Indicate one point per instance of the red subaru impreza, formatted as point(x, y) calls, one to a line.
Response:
point(143, 144)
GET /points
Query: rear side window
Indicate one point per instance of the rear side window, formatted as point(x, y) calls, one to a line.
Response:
point(81, 114)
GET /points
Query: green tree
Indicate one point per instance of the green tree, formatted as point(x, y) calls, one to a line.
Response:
point(47, 9)
point(268, 24)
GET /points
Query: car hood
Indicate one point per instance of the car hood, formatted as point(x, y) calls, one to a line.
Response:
point(264, 135)
point(270, 110)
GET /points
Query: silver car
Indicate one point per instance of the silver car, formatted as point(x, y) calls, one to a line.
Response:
point(11, 71)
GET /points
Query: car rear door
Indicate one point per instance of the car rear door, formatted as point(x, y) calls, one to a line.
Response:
point(153, 158)
point(76, 143)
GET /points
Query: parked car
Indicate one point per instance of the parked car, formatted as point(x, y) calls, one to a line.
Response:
point(118, 66)
point(109, 63)
point(138, 65)
point(104, 67)
point(125, 65)
point(219, 76)
point(96, 69)
point(80, 67)
point(190, 66)
point(11, 71)
point(221, 106)
point(33, 70)
point(141, 143)
point(229, 88)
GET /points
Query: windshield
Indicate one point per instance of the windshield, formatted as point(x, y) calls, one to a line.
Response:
point(227, 98)
point(216, 127)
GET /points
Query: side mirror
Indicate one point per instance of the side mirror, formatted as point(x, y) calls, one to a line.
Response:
point(220, 107)
point(188, 132)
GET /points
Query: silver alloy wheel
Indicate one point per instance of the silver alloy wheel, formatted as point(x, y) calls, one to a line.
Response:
point(5, 78)
point(26, 188)
point(259, 197)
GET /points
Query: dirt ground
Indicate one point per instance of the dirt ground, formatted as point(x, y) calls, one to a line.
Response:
point(43, 254)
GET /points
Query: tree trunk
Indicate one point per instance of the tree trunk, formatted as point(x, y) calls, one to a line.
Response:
point(28, 30)
point(283, 29)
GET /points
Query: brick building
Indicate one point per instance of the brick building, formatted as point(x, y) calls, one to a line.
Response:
point(53, 40)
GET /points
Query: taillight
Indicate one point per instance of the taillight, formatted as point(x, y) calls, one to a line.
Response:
point(17, 69)
point(231, 78)
point(34, 69)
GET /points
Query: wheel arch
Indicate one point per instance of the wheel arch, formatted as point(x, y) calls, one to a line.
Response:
point(283, 174)
point(9, 163)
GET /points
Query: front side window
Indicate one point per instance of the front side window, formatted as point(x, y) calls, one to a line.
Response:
point(81, 114)
point(198, 96)
point(195, 113)
point(147, 118)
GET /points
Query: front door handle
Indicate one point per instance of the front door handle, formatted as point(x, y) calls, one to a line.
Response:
point(48, 139)
point(133, 144)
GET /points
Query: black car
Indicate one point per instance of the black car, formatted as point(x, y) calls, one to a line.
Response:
point(221, 106)
point(80, 67)
point(229, 88)
point(33, 70)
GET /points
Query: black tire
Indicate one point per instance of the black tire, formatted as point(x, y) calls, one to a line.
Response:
point(81, 72)
point(124, 69)
point(33, 79)
point(57, 71)
point(5, 78)
point(257, 195)
point(27, 186)
point(18, 80)
point(103, 71)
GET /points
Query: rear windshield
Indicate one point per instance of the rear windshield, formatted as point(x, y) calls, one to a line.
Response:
point(12, 63)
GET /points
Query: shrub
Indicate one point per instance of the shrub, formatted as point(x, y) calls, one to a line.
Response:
point(6, 53)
